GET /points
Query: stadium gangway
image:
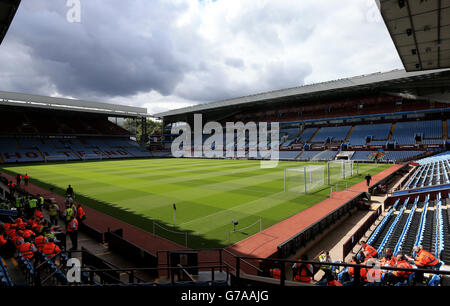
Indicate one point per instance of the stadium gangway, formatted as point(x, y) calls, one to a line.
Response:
point(399, 245)
point(431, 176)
point(421, 229)
point(381, 226)
point(415, 177)
point(393, 226)
point(439, 243)
point(438, 179)
point(446, 172)
point(434, 173)
point(424, 178)
point(419, 176)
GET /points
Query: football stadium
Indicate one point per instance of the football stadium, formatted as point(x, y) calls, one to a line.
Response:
point(339, 183)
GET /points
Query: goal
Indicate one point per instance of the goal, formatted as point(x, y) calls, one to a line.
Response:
point(338, 170)
point(304, 179)
point(92, 157)
point(50, 158)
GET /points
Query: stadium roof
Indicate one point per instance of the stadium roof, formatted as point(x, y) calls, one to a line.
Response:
point(35, 101)
point(420, 31)
point(398, 81)
point(8, 9)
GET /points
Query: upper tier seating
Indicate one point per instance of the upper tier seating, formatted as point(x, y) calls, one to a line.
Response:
point(307, 134)
point(405, 132)
point(29, 149)
point(335, 133)
point(361, 132)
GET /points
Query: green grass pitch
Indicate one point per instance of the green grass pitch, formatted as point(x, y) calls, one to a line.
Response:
point(208, 194)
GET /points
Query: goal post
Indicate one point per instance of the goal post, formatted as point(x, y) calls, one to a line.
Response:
point(92, 157)
point(338, 170)
point(51, 158)
point(304, 179)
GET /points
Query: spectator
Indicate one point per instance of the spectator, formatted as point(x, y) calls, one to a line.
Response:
point(388, 259)
point(26, 178)
point(40, 201)
point(50, 248)
point(332, 282)
point(395, 277)
point(27, 249)
point(69, 214)
point(38, 214)
point(325, 257)
point(40, 241)
point(369, 251)
point(53, 212)
point(81, 215)
point(72, 231)
point(275, 273)
point(3, 240)
point(423, 260)
point(69, 192)
point(303, 272)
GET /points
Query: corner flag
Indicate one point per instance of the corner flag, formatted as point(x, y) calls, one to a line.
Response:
point(174, 210)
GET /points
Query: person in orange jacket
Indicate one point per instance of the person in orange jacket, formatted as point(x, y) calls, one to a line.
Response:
point(50, 249)
point(275, 273)
point(332, 282)
point(369, 251)
point(423, 260)
point(388, 259)
point(394, 277)
point(27, 249)
point(72, 231)
point(303, 272)
point(81, 215)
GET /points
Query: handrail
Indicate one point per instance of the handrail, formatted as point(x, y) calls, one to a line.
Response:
point(380, 226)
point(421, 229)
point(186, 272)
point(108, 263)
point(246, 262)
point(406, 228)
point(357, 266)
point(392, 227)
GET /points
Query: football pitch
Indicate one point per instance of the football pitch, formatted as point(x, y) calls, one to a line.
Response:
point(208, 194)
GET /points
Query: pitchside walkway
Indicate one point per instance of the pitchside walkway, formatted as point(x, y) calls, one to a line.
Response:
point(265, 243)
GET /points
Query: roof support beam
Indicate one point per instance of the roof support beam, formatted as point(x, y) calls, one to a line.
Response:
point(439, 34)
point(414, 33)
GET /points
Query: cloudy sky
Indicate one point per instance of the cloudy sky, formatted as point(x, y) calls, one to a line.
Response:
point(166, 54)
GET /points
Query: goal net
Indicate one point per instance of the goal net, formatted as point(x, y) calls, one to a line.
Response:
point(92, 157)
point(50, 158)
point(338, 170)
point(304, 179)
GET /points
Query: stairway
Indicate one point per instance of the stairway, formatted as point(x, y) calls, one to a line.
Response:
point(444, 129)
point(314, 135)
point(410, 238)
point(445, 256)
point(391, 132)
point(349, 134)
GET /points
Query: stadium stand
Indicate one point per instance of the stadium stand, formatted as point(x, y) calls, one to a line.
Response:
point(307, 134)
point(405, 132)
point(337, 133)
point(372, 132)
